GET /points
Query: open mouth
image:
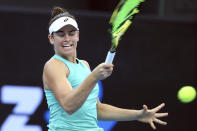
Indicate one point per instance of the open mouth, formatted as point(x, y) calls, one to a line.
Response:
point(67, 45)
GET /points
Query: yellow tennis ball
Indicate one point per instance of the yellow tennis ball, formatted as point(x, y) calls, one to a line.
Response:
point(186, 94)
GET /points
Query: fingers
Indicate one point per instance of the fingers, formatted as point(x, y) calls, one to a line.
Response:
point(157, 121)
point(158, 115)
point(145, 107)
point(108, 66)
point(109, 70)
point(152, 125)
point(160, 121)
point(103, 71)
point(156, 109)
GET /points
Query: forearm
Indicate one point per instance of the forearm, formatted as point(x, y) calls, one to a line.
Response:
point(76, 97)
point(111, 113)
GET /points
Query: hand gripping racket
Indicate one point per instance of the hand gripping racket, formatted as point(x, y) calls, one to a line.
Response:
point(120, 20)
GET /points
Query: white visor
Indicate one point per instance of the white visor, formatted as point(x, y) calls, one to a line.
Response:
point(61, 22)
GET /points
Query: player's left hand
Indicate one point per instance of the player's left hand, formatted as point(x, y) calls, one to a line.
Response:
point(150, 116)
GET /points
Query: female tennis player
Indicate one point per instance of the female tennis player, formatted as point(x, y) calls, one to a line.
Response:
point(71, 89)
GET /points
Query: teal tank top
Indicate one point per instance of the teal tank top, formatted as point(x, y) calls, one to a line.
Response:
point(85, 118)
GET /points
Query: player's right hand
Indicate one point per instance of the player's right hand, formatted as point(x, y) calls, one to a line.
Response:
point(103, 71)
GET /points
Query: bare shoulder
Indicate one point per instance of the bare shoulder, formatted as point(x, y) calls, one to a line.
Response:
point(86, 63)
point(53, 70)
point(52, 64)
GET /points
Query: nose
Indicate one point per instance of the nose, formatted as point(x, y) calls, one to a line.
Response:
point(66, 37)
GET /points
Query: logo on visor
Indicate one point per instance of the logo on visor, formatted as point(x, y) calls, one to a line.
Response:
point(66, 20)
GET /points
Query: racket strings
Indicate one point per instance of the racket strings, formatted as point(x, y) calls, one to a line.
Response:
point(121, 19)
point(126, 10)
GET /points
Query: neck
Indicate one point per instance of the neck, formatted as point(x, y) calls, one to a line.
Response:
point(71, 58)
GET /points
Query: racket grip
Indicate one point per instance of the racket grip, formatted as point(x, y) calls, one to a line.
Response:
point(110, 57)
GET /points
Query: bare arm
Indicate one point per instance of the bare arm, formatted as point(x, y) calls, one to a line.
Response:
point(54, 78)
point(111, 113)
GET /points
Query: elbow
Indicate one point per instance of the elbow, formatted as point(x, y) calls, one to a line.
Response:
point(69, 107)
point(69, 110)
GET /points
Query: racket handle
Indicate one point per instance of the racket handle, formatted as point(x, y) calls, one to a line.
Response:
point(110, 57)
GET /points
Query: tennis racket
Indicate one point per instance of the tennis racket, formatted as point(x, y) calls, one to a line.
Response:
point(120, 21)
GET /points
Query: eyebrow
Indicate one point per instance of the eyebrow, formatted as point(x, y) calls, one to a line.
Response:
point(68, 31)
point(72, 30)
point(59, 31)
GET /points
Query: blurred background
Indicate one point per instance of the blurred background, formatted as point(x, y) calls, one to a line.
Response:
point(156, 57)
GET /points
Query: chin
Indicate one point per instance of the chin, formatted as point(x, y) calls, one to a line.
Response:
point(68, 53)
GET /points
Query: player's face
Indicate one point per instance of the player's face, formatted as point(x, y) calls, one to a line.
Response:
point(65, 41)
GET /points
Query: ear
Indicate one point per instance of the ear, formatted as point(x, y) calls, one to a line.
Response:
point(51, 39)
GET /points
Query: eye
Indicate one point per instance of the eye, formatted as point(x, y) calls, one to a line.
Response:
point(72, 33)
point(60, 33)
